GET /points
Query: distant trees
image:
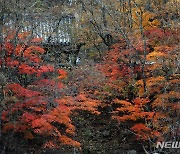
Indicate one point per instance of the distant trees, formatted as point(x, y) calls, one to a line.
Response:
point(56, 31)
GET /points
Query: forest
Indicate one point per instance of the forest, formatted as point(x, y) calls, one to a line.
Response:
point(89, 77)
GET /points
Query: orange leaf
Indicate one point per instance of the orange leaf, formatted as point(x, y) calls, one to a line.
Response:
point(36, 40)
point(23, 36)
point(28, 135)
point(62, 74)
point(68, 141)
point(19, 49)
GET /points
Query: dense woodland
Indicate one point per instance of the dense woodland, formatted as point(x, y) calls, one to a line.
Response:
point(113, 88)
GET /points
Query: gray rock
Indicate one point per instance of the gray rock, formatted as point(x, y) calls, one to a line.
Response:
point(131, 152)
point(2, 79)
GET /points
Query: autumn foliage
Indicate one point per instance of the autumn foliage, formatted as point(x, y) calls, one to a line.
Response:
point(133, 86)
point(29, 107)
point(150, 112)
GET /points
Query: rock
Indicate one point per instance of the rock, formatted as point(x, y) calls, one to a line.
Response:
point(2, 79)
point(131, 152)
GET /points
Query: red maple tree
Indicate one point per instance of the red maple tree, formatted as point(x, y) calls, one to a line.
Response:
point(29, 107)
